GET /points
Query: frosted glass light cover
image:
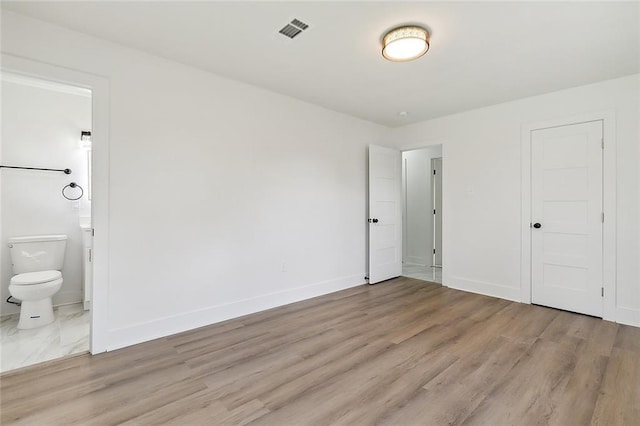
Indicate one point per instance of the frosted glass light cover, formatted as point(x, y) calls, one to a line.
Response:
point(405, 44)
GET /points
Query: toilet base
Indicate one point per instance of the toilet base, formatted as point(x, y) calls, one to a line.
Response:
point(35, 313)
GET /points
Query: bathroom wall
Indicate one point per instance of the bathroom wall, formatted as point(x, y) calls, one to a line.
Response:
point(41, 126)
point(417, 197)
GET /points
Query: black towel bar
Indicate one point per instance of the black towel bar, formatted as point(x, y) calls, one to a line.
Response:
point(65, 171)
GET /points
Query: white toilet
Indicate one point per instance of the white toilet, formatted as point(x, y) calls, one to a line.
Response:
point(37, 262)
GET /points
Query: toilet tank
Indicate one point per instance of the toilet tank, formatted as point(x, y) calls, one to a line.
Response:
point(37, 253)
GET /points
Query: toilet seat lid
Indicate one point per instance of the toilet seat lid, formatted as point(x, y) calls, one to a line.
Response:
point(39, 277)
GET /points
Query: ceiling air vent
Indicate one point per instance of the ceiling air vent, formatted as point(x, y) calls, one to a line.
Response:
point(299, 24)
point(293, 28)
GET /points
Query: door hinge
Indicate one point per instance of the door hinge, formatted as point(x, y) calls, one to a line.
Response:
point(602, 217)
point(434, 251)
point(434, 211)
point(602, 291)
point(434, 171)
point(602, 143)
point(93, 232)
point(90, 256)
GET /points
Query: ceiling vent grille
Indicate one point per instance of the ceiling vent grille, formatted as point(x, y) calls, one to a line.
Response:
point(293, 28)
point(299, 24)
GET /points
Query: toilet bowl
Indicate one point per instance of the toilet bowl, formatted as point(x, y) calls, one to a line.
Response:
point(35, 290)
point(37, 262)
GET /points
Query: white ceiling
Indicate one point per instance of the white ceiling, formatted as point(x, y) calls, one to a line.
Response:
point(482, 53)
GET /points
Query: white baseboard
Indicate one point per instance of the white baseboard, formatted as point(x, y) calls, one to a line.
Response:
point(487, 289)
point(162, 327)
point(628, 316)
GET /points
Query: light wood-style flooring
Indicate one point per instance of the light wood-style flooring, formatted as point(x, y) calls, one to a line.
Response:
point(404, 352)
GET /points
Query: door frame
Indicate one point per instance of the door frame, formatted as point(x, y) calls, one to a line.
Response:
point(608, 202)
point(413, 146)
point(99, 87)
point(433, 200)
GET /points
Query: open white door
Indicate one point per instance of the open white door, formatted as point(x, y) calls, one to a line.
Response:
point(385, 214)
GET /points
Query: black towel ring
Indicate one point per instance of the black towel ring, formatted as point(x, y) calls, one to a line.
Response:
point(73, 185)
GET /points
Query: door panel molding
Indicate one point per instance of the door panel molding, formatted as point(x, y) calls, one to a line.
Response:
point(609, 204)
point(566, 258)
point(385, 213)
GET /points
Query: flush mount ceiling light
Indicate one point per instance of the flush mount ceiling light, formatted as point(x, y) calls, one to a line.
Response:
point(405, 43)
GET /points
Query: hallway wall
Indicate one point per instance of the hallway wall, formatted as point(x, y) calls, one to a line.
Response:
point(417, 197)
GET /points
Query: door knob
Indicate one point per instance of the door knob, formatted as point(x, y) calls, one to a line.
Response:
point(373, 220)
point(537, 225)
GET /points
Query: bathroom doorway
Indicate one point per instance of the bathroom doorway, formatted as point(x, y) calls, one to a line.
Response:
point(422, 213)
point(45, 192)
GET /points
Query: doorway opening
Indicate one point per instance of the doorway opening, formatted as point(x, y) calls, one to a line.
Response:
point(45, 220)
point(422, 213)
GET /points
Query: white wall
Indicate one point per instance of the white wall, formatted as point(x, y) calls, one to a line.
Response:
point(482, 220)
point(417, 197)
point(224, 198)
point(41, 128)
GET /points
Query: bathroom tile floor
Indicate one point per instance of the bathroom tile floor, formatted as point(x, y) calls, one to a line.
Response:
point(68, 334)
point(425, 273)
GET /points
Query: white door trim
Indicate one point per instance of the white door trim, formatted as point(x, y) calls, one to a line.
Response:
point(434, 198)
point(609, 204)
point(100, 178)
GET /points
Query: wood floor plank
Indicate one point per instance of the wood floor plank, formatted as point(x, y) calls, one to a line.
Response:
point(452, 395)
point(526, 322)
point(528, 394)
point(334, 366)
point(576, 403)
point(403, 352)
point(400, 385)
point(327, 347)
point(619, 399)
point(200, 406)
point(341, 392)
point(602, 337)
point(628, 338)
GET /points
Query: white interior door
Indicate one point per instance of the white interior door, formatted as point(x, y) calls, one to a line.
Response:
point(566, 232)
point(385, 214)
